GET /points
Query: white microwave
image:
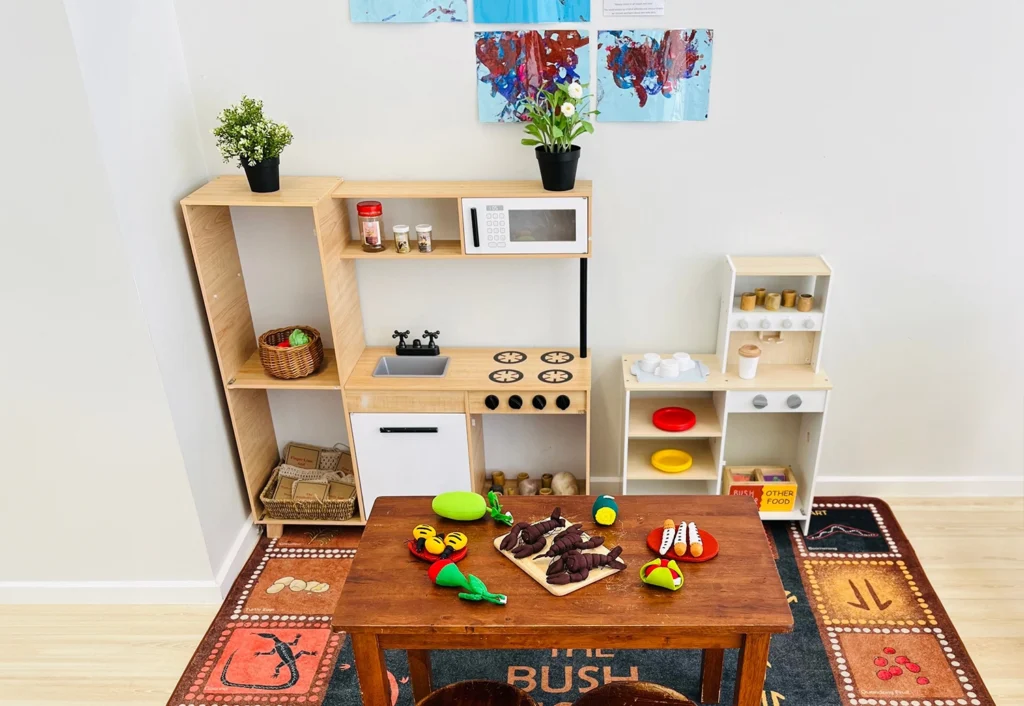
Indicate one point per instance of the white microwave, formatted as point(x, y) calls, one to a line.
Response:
point(525, 226)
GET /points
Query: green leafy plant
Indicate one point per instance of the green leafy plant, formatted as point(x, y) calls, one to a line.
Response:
point(557, 117)
point(244, 132)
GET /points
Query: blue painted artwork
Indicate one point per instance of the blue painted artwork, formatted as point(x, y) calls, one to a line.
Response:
point(512, 65)
point(409, 10)
point(651, 75)
point(530, 11)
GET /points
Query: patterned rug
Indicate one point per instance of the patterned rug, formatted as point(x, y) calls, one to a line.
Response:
point(869, 631)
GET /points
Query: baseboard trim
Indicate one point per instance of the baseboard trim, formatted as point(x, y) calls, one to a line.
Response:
point(138, 592)
point(921, 486)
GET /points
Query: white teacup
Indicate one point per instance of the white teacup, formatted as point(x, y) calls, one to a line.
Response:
point(667, 368)
point(684, 360)
point(649, 363)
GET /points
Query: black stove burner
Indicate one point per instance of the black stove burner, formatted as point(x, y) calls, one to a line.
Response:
point(506, 376)
point(557, 357)
point(510, 357)
point(555, 377)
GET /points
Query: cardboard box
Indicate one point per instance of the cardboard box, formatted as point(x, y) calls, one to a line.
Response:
point(771, 495)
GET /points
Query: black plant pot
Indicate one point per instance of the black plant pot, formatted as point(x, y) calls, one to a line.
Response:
point(264, 176)
point(558, 169)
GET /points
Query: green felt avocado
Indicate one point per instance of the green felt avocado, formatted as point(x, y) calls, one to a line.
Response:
point(460, 505)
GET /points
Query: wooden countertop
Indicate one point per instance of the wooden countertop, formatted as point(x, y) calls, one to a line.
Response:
point(769, 377)
point(469, 368)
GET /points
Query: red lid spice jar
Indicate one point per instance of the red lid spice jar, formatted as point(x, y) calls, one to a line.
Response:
point(371, 225)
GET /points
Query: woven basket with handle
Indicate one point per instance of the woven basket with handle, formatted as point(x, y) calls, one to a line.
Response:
point(295, 361)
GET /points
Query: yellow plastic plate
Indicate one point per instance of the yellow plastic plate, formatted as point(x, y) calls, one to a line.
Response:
point(671, 460)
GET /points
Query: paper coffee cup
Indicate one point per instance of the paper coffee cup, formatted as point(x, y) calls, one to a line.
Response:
point(748, 357)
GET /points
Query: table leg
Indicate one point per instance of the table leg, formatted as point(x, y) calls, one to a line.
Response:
point(373, 673)
point(751, 668)
point(711, 676)
point(419, 673)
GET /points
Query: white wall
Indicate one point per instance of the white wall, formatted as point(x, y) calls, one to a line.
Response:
point(882, 135)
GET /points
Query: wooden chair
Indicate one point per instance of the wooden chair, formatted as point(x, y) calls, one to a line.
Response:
point(633, 693)
point(478, 693)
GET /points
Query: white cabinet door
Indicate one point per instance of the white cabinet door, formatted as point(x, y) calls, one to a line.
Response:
point(410, 454)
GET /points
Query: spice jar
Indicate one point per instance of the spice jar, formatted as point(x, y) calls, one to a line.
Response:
point(401, 234)
point(424, 233)
point(371, 225)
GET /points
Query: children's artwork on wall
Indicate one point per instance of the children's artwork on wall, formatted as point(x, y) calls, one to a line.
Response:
point(530, 11)
point(512, 65)
point(653, 74)
point(409, 10)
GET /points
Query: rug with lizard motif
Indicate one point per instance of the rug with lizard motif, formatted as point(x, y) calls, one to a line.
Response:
point(869, 631)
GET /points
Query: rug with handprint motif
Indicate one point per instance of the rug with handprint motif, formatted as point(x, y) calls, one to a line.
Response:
point(869, 631)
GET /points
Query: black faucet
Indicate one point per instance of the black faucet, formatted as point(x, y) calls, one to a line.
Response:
point(416, 347)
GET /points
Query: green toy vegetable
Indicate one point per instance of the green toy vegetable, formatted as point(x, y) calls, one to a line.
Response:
point(445, 573)
point(461, 505)
point(494, 505)
point(298, 337)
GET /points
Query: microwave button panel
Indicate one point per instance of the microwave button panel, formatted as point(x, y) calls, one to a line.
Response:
point(775, 401)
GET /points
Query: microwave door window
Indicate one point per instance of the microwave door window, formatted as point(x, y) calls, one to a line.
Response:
point(542, 226)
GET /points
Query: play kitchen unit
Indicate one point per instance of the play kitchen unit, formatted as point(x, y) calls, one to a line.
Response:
point(749, 419)
point(414, 413)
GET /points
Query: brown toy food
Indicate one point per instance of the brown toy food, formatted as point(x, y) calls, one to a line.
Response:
point(569, 540)
point(575, 566)
point(525, 539)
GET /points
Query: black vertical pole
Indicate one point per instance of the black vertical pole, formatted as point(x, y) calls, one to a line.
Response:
point(583, 307)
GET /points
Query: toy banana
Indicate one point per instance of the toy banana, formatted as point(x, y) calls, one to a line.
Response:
point(679, 543)
point(667, 536)
point(696, 543)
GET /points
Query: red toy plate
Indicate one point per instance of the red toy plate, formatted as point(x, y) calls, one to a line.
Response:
point(673, 419)
point(710, 547)
point(431, 558)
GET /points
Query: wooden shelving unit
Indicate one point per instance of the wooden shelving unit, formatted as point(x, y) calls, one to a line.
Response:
point(638, 461)
point(251, 376)
point(643, 408)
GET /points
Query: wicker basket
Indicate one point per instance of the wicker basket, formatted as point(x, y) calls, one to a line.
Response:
point(308, 509)
point(293, 362)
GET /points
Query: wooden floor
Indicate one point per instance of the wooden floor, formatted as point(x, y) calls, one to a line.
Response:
point(972, 550)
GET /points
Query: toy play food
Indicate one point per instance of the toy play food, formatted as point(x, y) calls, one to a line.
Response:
point(605, 510)
point(445, 573)
point(673, 419)
point(298, 337)
point(709, 546)
point(453, 542)
point(494, 507)
point(662, 572)
point(459, 505)
point(668, 535)
point(576, 566)
point(284, 344)
point(679, 542)
point(671, 460)
point(434, 545)
point(525, 539)
point(695, 542)
point(570, 539)
point(421, 533)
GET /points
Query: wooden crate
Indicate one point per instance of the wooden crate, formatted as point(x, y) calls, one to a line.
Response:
point(771, 496)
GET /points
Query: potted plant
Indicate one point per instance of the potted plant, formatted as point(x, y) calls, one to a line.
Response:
point(257, 141)
point(557, 118)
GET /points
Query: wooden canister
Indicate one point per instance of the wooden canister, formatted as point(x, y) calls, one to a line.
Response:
point(511, 489)
point(498, 478)
point(747, 301)
point(805, 302)
point(772, 300)
point(545, 480)
point(522, 476)
point(788, 297)
point(759, 296)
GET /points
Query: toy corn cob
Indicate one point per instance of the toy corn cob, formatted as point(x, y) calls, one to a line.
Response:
point(446, 573)
point(696, 543)
point(667, 535)
point(679, 543)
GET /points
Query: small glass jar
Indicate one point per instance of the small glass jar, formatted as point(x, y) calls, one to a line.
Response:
point(371, 225)
point(401, 234)
point(424, 234)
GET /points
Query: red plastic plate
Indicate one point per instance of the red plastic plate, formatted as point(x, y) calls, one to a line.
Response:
point(710, 547)
point(431, 558)
point(674, 419)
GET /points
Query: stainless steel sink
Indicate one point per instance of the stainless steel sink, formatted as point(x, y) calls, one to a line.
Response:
point(401, 366)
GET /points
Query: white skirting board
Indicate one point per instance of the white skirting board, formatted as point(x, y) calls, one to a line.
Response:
point(138, 592)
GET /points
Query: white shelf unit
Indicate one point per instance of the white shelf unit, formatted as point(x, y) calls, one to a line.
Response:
point(799, 335)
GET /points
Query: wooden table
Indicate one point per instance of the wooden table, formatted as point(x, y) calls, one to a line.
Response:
point(733, 601)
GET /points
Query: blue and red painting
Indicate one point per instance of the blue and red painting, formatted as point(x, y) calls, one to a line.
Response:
point(653, 75)
point(408, 10)
point(530, 11)
point(510, 66)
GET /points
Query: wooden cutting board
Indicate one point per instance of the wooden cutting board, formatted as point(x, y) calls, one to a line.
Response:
point(537, 568)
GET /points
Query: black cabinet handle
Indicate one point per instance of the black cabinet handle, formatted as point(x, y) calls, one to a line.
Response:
point(408, 430)
point(476, 228)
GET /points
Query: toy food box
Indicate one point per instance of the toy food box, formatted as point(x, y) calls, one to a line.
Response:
point(773, 487)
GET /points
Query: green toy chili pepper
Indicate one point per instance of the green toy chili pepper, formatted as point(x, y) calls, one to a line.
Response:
point(446, 573)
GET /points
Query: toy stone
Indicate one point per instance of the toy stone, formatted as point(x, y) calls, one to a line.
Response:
point(497, 514)
point(662, 572)
point(575, 566)
point(530, 486)
point(525, 539)
point(564, 483)
point(459, 505)
point(445, 573)
point(605, 510)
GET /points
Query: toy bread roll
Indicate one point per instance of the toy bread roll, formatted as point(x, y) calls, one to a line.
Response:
point(667, 536)
point(679, 545)
point(696, 544)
